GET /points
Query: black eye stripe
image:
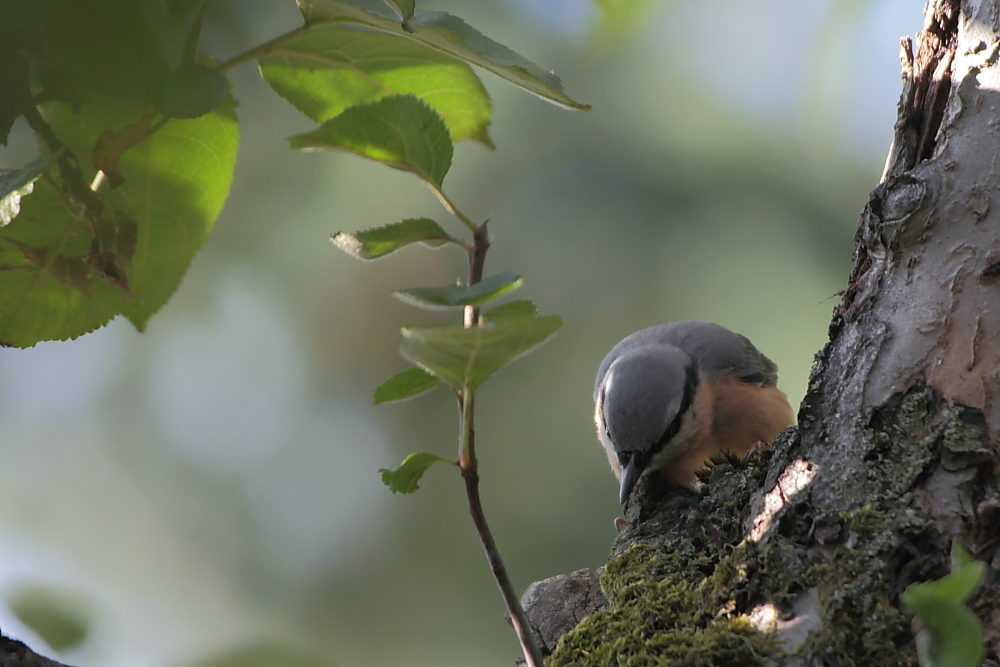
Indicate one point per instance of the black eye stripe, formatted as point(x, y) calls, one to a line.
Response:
point(687, 398)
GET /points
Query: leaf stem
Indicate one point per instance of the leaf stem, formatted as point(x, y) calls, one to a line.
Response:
point(191, 43)
point(451, 208)
point(257, 51)
point(69, 167)
point(470, 465)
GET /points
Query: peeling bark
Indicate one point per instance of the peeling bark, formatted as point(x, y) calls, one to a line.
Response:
point(897, 451)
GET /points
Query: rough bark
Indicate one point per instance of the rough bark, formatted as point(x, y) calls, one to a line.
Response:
point(16, 654)
point(896, 452)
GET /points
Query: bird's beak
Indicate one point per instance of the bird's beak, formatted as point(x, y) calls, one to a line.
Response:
point(630, 475)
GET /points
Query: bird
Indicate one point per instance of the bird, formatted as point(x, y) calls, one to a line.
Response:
point(670, 396)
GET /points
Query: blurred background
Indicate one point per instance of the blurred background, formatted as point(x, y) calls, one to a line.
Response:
point(205, 493)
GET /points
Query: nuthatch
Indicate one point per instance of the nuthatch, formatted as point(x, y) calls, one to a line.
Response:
point(670, 396)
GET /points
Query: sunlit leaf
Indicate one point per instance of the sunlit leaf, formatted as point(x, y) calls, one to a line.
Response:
point(16, 183)
point(329, 67)
point(61, 617)
point(468, 357)
point(50, 291)
point(451, 296)
point(405, 478)
point(400, 131)
point(380, 241)
point(449, 34)
point(177, 181)
point(409, 383)
point(55, 282)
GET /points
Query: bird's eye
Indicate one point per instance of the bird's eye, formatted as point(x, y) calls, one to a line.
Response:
point(607, 431)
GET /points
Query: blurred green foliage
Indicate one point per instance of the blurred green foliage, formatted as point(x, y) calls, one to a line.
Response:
point(61, 617)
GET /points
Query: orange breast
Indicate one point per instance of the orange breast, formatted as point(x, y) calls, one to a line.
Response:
point(731, 415)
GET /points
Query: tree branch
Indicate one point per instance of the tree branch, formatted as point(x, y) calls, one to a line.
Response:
point(470, 465)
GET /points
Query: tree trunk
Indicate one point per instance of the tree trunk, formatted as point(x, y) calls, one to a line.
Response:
point(896, 453)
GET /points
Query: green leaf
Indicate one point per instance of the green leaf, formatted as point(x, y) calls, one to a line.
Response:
point(400, 131)
point(407, 384)
point(16, 183)
point(955, 587)
point(56, 284)
point(451, 296)
point(329, 67)
point(192, 90)
point(50, 291)
point(402, 7)
point(59, 616)
point(514, 309)
point(176, 183)
point(448, 34)
point(959, 556)
point(381, 241)
point(951, 636)
point(404, 479)
point(468, 357)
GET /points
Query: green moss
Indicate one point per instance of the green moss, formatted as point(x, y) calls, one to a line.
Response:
point(669, 605)
point(864, 521)
point(861, 624)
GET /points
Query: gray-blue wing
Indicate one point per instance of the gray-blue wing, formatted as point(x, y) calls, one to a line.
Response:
point(715, 348)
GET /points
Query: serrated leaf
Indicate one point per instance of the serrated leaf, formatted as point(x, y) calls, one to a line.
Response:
point(514, 309)
point(448, 34)
point(400, 131)
point(402, 7)
point(381, 241)
point(50, 291)
point(409, 383)
point(405, 478)
point(329, 67)
point(176, 182)
point(468, 357)
point(452, 296)
point(16, 183)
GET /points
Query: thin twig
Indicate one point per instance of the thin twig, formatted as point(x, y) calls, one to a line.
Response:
point(470, 465)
